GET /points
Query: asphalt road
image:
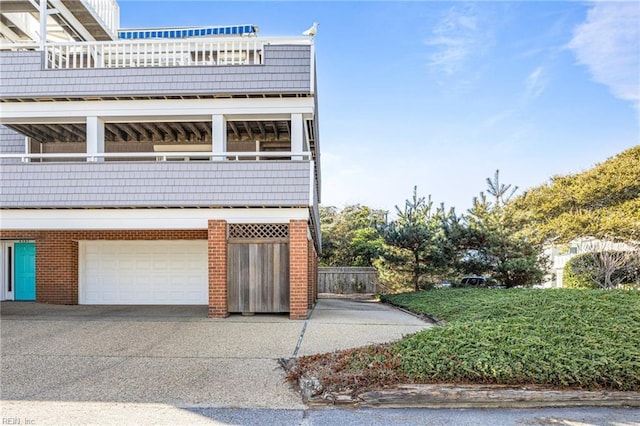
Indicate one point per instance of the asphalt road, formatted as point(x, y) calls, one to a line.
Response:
point(55, 413)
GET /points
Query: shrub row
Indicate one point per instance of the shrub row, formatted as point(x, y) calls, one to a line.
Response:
point(561, 338)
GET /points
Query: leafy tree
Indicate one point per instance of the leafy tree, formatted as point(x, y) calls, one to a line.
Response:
point(603, 202)
point(350, 237)
point(329, 216)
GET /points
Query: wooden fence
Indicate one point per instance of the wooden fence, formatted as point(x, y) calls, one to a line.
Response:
point(347, 280)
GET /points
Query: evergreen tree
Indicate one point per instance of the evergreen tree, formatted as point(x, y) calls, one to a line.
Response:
point(415, 234)
point(492, 244)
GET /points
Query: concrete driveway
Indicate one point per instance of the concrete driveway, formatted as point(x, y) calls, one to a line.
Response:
point(173, 355)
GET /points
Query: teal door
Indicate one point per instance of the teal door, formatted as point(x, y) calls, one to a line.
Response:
point(25, 271)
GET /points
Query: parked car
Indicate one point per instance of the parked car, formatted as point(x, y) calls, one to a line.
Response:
point(475, 281)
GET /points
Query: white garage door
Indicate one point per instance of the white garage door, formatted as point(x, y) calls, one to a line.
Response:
point(143, 272)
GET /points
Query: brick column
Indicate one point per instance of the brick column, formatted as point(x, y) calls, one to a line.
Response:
point(298, 269)
point(218, 269)
point(313, 275)
point(314, 272)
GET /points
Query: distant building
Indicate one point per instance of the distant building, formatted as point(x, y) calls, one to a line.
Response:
point(156, 165)
point(559, 255)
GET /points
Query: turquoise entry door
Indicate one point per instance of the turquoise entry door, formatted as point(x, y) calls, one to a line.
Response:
point(25, 271)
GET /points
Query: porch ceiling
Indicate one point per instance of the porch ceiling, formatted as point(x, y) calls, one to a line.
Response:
point(13, 6)
point(271, 132)
point(77, 9)
point(86, 18)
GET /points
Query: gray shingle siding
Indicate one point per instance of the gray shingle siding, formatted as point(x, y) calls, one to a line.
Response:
point(10, 143)
point(286, 69)
point(155, 184)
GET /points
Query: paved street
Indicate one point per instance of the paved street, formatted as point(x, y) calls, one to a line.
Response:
point(113, 413)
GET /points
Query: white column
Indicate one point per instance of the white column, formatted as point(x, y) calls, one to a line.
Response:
point(219, 135)
point(43, 24)
point(95, 137)
point(27, 148)
point(297, 136)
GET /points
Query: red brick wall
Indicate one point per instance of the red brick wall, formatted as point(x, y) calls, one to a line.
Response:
point(218, 307)
point(312, 288)
point(315, 274)
point(57, 256)
point(298, 269)
point(57, 262)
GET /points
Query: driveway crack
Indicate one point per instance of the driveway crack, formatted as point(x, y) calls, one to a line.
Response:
point(301, 337)
point(304, 328)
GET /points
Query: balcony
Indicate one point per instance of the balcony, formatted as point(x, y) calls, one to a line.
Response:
point(209, 51)
point(66, 20)
point(144, 69)
point(106, 11)
point(162, 180)
point(155, 53)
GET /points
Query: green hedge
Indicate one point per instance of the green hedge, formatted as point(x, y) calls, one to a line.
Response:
point(582, 271)
point(560, 338)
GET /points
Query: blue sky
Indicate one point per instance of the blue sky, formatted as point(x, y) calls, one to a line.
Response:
point(441, 94)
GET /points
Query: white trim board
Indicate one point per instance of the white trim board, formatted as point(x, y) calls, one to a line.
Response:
point(100, 219)
point(155, 110)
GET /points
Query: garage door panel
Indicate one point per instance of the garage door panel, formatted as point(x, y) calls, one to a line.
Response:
point(144, 272)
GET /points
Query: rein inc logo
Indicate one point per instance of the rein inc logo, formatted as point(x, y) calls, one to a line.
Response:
point(17, 421)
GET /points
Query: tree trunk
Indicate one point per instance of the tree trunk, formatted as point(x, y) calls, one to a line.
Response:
point(416, 271)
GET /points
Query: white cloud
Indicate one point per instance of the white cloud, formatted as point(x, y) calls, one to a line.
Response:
point(536, 82)
point(456, 38)
point(608, 43)
point(498, 118)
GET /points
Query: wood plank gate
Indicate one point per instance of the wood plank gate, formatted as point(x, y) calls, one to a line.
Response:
point(258, 268)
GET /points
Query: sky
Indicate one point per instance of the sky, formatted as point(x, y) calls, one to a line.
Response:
point(440, 95)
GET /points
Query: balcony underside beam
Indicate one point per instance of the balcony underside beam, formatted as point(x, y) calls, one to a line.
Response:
point(156, 110)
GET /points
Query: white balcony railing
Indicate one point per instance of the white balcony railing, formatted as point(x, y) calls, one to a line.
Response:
point(154, 53)
point(107, 11)
point(162, 156)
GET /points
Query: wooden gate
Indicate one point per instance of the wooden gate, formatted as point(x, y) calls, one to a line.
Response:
point(258, 268)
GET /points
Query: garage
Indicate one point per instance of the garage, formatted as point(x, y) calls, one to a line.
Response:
point(143, 272)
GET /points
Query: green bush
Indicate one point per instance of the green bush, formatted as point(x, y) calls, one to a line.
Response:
point(576, 273)
point(560, 338)
point(585, 271)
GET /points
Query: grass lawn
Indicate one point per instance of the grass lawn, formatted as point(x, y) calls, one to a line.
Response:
point(587, 339)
